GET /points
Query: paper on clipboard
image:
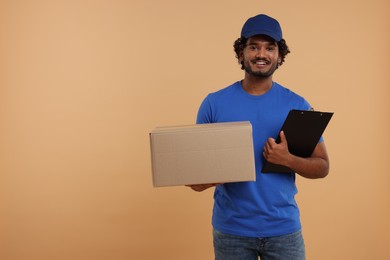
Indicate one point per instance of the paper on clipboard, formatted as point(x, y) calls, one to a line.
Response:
point(303, 129)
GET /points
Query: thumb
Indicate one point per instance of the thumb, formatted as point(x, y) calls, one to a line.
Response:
point(282, 137)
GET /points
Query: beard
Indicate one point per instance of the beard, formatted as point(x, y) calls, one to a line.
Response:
point(259, 73)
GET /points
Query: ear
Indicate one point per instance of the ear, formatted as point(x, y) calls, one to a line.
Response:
point(240, 60)
point(240, 57)
point(279, 61)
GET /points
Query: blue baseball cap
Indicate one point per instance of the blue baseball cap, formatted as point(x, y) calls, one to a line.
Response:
point(262, 24)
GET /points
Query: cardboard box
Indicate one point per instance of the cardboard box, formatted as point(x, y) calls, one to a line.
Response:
point(203, 153)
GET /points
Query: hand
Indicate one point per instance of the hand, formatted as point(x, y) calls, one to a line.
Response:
point(277, 152)
point(202, 187)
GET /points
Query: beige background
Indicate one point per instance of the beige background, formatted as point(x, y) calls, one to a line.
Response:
point(83, 82)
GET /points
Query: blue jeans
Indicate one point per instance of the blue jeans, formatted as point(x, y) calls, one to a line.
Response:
point(286, 247)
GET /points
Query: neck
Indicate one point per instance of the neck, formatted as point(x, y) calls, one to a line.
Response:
point(256, 86)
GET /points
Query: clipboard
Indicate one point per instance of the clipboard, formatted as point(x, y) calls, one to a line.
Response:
point(303, 129)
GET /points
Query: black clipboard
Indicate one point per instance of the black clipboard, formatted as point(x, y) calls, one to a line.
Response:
point(303, 129)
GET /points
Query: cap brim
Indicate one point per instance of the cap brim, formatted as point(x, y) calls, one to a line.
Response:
point(267, 33)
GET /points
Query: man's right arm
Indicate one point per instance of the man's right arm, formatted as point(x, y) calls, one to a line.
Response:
point(203, 117)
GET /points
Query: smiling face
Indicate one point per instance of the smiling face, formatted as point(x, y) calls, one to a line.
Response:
point(260, 57)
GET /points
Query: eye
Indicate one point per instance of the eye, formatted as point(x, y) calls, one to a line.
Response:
point(253, 48)
point(273, 47)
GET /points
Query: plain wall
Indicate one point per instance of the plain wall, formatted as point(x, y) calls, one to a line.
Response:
point(82, 83)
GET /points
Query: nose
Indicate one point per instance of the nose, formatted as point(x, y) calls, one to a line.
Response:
point(260, 53)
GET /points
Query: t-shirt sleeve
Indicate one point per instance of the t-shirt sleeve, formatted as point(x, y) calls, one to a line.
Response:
point(307, 106)
point(204, 112)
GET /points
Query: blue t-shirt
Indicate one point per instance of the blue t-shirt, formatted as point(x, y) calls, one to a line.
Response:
point(267, 207)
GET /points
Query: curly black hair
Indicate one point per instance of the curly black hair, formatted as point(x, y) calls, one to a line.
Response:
point(240, 44)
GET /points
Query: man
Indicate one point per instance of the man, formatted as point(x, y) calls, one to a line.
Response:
point(260, 219)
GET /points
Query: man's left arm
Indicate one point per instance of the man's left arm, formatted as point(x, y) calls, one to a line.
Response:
point(313, 167)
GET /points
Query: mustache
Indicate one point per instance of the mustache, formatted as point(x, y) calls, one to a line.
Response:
point(261, 59)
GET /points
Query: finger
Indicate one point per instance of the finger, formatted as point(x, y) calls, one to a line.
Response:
point(282, 137)
point(265, 148)
point(198, 188)
point(265, 151)
point(271, 143)
point(202, 187)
